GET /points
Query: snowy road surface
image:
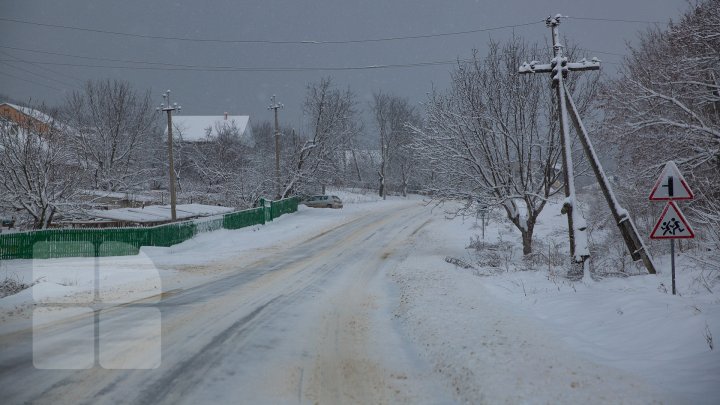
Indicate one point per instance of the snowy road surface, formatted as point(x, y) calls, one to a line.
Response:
point(310, 323)
point(353, 314)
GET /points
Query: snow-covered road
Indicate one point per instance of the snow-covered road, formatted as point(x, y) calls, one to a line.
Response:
point(309, 323)
point(331, 307)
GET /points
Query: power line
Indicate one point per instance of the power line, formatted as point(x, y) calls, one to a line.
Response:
point(92, 57)
point(603, 52)
point(616, 20)
point(266, 41)
point(9, 64)
point(200, 68)
point(180, 65)
point(52, 79)
point(29, 81)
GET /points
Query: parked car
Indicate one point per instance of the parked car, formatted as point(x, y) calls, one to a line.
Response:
point(323, 201)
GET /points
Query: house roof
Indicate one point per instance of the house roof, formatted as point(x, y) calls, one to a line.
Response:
point(30, 112)
point(159, 213)
point(194, 128)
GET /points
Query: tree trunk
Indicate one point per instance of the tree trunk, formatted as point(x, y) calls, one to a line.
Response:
point(381, 191)
point(527, 236)
point(527, 243)
point(357, 166)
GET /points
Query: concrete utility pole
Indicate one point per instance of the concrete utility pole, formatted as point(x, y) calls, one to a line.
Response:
point(274, 105)
point(633, 241)
point(169, 109)
point(559, 68)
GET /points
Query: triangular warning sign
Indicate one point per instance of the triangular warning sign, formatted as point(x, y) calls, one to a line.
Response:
point(671, 185)
point(672, 225)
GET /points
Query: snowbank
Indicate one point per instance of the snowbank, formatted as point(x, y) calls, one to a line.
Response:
point(631, 341)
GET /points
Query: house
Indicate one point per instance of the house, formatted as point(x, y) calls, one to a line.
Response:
point(206, 128)
point(25, 117)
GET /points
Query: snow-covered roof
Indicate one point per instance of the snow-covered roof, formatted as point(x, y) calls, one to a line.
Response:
point(194, 128)
point(30, 112)
point(160, 213)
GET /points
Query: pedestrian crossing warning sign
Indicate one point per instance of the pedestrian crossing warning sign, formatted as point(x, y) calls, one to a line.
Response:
point(671, 185)
point(672, 225)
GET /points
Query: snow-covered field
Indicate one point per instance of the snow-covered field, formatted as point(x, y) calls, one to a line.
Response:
point(500, 332)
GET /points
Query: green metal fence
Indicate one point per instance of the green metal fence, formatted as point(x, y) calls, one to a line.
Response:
point(286, 206)
point(55, 243)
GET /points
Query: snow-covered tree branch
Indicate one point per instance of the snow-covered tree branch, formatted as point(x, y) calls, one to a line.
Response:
point(37, 173)
point(666, 106)
point(492, 138)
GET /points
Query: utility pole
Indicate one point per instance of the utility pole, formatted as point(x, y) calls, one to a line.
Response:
point(169, 109)
point(274, 105)
point(559, 68)
point(630, 234)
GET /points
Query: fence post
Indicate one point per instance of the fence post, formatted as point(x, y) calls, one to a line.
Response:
point(266, 213)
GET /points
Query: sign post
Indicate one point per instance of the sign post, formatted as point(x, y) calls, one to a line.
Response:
point(482, 212)
point(671, 186)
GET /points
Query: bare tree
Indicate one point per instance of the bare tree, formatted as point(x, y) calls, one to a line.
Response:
point(317, 158)
point(220, 168)
point(492, 138)
point(36, 170)
point(665, 105)
point(394, 116)
point(112, 124)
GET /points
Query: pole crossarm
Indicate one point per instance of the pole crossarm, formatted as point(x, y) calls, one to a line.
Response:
point(537, 67)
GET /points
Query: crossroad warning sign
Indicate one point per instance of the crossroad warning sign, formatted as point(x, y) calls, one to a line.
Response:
point(672, 225)
point(671, 185)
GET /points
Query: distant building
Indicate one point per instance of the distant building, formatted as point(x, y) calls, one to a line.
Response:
point(25, 117)
point(206, 128)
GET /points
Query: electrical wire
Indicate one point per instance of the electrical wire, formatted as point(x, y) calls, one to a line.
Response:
point(30, 81)
point(9, 64)
point(616, 20)
point(185, 67)
point(91, 57)
point(200, 68)
point(266, 41)
point(52, 79)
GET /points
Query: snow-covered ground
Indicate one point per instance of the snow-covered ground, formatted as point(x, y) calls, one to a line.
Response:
point(501, 332)
point(646, 340)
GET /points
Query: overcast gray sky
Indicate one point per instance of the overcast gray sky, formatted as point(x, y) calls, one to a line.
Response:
point(50, 77)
